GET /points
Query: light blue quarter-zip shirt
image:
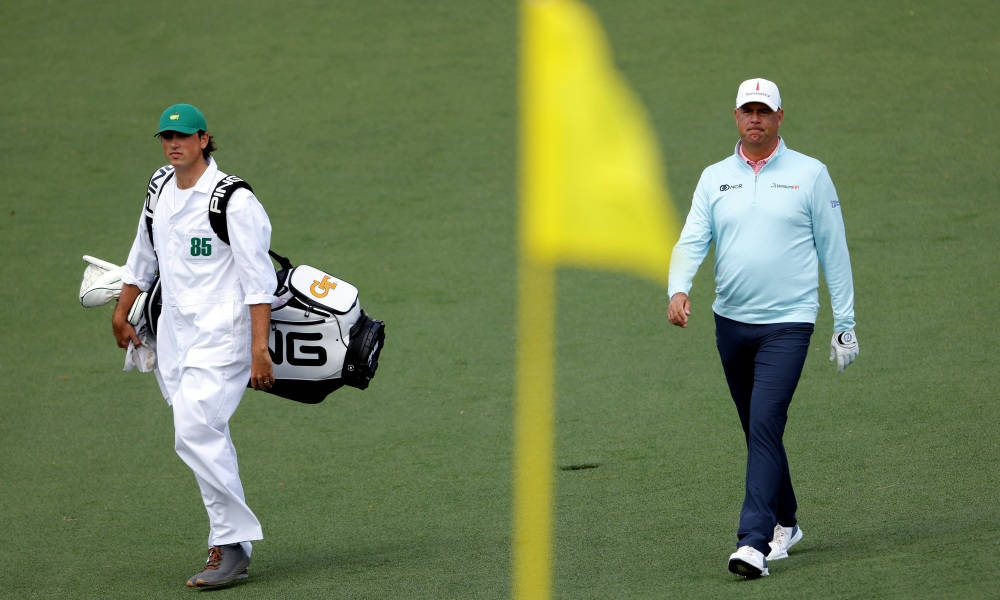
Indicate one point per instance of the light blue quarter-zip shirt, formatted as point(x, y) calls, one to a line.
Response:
point(772, 232)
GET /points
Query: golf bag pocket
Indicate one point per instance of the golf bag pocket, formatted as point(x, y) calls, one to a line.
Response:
point(363, 349)
point(322, 290)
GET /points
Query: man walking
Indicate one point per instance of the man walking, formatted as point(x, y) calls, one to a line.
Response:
point(212, 333)
point(774, 216)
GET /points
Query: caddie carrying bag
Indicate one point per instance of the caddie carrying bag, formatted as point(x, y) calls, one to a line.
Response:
point(320, 337)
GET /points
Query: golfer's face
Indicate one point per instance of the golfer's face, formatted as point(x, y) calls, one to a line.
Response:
point(758, 124)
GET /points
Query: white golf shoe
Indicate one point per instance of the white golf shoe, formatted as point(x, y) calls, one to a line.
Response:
point(784, 538)
point(748, 562)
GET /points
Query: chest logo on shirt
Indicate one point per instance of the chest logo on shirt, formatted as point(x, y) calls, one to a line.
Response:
point(201, 246)
point(321, 288)
point(785, 186)
point(725, 187)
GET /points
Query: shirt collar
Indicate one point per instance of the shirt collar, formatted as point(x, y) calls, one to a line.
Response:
point(761, 162)
point(207, 178)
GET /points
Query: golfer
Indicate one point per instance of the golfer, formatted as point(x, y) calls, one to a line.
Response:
point(774, 217)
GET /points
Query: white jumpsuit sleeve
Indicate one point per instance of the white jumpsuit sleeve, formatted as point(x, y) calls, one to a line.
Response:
point(250, 239)
point(141, 266)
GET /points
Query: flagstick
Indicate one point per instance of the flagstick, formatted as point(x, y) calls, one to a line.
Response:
point(533, 432)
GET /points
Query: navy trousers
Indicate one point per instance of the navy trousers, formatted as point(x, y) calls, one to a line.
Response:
point(763, 364)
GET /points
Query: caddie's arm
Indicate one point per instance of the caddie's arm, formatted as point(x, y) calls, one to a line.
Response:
point(261, 367)
point(123, 330)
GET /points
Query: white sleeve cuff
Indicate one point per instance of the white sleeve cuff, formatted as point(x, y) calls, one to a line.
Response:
point(259, 299)
point(130, 279)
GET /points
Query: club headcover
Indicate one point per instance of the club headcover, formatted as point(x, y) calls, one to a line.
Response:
point(102, 282)
point(135, 314)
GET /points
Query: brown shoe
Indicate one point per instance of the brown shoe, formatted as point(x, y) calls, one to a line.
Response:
point(225, 564)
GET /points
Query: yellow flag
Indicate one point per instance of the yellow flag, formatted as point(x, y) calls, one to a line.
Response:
point(592, 195)
point(592, 192)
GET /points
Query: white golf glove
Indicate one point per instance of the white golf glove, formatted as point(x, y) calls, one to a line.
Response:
point(844, 349)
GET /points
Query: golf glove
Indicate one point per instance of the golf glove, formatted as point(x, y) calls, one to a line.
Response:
point(843, 349)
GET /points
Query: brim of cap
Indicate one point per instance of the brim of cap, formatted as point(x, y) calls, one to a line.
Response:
point(188, 130)
point(769, 104)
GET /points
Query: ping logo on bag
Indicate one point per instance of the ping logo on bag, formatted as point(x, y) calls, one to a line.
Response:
point(321, 288)
point(223, 190)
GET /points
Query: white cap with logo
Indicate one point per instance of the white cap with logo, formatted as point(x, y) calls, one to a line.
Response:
point(759, 90)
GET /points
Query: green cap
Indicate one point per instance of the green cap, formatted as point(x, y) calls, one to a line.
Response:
point(183, 118)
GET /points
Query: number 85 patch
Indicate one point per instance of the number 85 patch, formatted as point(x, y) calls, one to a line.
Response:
point(200, 247)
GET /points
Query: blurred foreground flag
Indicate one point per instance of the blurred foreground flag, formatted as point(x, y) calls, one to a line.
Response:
point(592, 191)
point(592, 196)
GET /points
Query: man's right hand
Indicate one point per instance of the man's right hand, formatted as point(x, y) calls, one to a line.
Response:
point(123, 330)
point(679, 309)
point(124, 333)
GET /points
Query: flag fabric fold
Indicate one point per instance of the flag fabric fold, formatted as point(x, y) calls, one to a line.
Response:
point(592, 186)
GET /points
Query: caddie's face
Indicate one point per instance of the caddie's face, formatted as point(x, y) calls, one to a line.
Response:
point(183, 149)
point(758, 124)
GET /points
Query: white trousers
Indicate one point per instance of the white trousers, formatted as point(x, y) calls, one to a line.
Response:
point(204, 394)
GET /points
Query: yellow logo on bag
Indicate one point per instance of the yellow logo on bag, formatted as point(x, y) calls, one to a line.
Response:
point(325, 286)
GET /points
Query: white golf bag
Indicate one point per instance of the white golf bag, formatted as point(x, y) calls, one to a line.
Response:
point(320, 338)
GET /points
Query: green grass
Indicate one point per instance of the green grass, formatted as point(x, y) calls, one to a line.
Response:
point(381, 137)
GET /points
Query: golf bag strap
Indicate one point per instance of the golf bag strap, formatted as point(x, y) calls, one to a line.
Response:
point(217, 205)
point(157, 182)
point(286, 265)
point(220, 200)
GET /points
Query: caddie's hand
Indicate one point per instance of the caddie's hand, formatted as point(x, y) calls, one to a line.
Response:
point(844, 349)
point(261, 370)
point(679, 309)
point(124, 332)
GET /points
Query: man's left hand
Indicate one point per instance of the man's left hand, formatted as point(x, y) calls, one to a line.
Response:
point(844, 349)
point(261, 367)
point(261, 371)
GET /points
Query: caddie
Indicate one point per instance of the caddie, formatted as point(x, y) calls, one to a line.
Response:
point(775, 219)
point(212, 333)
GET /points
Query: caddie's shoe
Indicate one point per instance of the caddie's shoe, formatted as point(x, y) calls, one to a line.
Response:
point(784, 538)
point(748, 562)
point(225, 564)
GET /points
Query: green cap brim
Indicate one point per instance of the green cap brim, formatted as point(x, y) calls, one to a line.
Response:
point(178, 128)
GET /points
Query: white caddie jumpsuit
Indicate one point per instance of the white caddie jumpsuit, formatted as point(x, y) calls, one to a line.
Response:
point(203, 333)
